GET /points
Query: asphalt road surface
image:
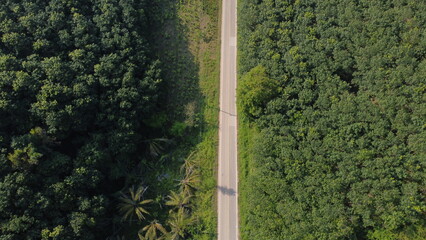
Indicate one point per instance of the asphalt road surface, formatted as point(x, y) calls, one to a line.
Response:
point(227, 188)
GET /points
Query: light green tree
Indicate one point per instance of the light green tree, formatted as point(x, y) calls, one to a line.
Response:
point(255, 90)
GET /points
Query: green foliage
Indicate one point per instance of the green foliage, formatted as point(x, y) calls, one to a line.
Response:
point(178, 129)
point(178, 200)
point(151, 231)
point(85, 114)
point(414, 232)
point(157, 120)
point(133, 203)
point(24, 158)
point(255, 91)
point(340, 150)
point(78, 82)
point(189, 50)
point(178, 223)
point(54, 234)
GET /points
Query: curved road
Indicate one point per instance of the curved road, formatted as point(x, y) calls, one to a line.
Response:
point(227, 169)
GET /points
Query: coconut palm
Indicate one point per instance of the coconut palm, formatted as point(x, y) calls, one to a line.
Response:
point(179, 221)
point(133, 203)
point(189, 164)
point(156, 146)
point(178, 200)
point(151, 231)
point(188, 184)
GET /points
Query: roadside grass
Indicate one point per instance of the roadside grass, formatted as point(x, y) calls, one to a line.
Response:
point(187, 40)
point(247, 134)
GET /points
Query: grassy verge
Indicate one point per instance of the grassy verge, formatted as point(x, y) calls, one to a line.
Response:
point(205, 43)
point(247, 134)
point(187, 41)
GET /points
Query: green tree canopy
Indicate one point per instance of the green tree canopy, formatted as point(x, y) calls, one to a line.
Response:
point(341, 150)
point(77, 82)
point(255, 90)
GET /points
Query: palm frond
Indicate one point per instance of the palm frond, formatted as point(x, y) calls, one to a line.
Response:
point(178, 223)
point(188, 184)
point(178, 200)
point(189, 163)
point(151, 231)
point(157, 145)
point(133, 204)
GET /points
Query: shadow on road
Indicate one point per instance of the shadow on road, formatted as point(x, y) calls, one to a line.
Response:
point(226, 191)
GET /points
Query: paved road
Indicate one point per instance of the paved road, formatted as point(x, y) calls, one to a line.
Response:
point(228, 171)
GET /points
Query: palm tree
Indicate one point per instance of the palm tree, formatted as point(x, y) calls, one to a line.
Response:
point(178, 223)
point(151, 231)
point(178, 200)
point(133, 203)
point(189, 182)
point(189, 164)
point(156, 146)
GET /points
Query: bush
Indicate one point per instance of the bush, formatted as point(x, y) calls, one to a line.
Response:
point(255, 91)
point(178, 129)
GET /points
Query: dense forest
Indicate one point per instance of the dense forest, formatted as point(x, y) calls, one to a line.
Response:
point(334, 92)
point(85, 138)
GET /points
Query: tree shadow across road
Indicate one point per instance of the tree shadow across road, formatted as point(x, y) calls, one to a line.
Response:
point(227, 191)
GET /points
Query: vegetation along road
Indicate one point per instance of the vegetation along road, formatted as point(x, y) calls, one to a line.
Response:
point(227, 173)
